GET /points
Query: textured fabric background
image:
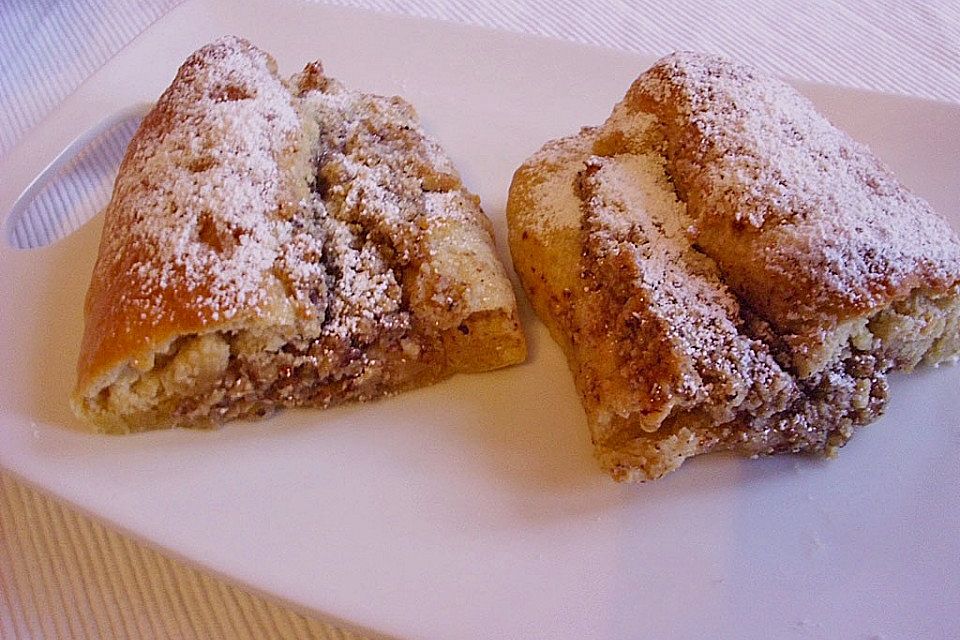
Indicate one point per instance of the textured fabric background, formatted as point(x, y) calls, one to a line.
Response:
point(63, 575)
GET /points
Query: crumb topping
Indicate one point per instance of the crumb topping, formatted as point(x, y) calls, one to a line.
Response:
point(380, 185)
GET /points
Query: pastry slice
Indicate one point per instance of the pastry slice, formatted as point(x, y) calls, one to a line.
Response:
point(278, 243)
point(673, 355)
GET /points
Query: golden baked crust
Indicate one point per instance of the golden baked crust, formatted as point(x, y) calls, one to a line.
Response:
point(275, 243)
point(670, 357)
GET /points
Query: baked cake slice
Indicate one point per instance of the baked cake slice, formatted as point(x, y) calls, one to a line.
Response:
point(726, 271)
point(278, 243)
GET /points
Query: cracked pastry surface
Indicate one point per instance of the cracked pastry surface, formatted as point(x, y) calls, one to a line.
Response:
point(277, 243)
point(727, 271)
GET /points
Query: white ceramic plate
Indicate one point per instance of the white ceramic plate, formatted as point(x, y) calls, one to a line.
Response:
point(474, 508)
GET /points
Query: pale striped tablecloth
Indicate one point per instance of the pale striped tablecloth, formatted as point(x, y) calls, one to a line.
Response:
point(63, 575)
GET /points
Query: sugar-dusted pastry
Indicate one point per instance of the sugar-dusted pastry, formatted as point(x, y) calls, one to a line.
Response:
point(278, 243)
point(725, 270)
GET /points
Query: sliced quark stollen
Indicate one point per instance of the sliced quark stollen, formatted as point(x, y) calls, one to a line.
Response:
point(273, 243)
point(651, 246)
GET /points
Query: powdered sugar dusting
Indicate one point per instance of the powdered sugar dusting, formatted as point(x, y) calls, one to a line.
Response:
point(195, 208)
point(202, 218)
point(557, 205)
point(758, 156)
point(635, 227)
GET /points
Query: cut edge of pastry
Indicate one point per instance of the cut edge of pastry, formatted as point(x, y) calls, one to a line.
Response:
point(179, 382)
point(679, 352)
point(755, 406)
